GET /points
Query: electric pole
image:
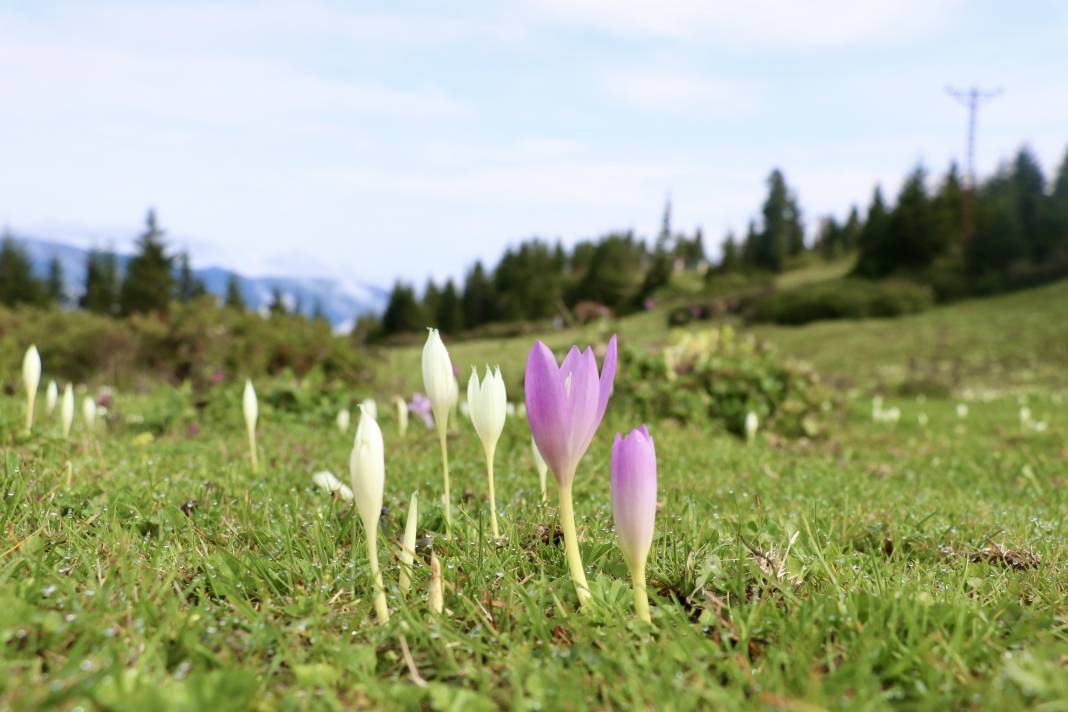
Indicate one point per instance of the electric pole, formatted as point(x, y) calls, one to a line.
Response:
point(971, 99)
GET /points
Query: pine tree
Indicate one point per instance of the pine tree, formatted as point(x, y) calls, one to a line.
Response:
point(149, 281)
point(751, 245)
point(914, 236)
point(731, 257)
point(277, 306)
point(477, 302)
point(851, 231)
point(187, 286)
point(234, 298)
point(1029, 187)
point(949, 209)
point(17, 283)
point(54, 285)
point(450, 315)
point(876, 254)
point(101, 294)
point(402, 312)
point(431, 299)
point(1058, 208)
point(783, 235)
point(999, 241)
point(830, 241)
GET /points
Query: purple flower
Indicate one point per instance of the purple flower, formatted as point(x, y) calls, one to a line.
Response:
point(565, 403)
point(634, 493)
point(421, 406)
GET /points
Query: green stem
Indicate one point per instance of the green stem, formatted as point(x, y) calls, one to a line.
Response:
point(571, 549)
point(381, 609)
point(641, 597)
point(492, 498)
point(31, 400)
point(445, 475)
point(252, 450)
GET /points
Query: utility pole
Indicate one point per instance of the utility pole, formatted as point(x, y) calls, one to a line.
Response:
point(971, 99)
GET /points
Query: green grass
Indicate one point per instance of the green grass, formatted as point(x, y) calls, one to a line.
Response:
point(817, 271)
point(928, 571)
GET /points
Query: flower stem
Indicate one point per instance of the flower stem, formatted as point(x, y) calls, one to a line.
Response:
point(252, 450)
point(381, 609)
point(492, 498)
point(31, 399)
point(445, 476)
point(571, 549)
point(641, 598)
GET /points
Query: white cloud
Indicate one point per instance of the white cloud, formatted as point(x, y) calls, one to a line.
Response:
point(227, 90)
point(768, 23)
point(680, 91)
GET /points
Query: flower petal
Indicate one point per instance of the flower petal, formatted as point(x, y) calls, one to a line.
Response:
point(546, 405)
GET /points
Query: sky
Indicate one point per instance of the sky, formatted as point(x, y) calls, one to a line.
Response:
point(377, 141)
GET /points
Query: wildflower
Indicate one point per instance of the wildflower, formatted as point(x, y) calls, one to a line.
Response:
point(367, 468)
point(487, 401)
point(634, 505)
point(66, 410)
point(343, 420)
point(565, 405)
point(31, 378)
point(441, 387)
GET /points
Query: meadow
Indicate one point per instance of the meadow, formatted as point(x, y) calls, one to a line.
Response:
point(913, 564)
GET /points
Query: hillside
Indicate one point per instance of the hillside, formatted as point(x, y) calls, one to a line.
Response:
point(1017, 339)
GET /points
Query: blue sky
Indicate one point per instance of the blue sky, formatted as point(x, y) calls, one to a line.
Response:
point(377, 140)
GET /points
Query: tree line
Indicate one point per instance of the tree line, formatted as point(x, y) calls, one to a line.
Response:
point(151, 278)
point(1010, 231)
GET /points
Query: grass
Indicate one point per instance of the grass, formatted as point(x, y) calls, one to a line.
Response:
point(927, 570)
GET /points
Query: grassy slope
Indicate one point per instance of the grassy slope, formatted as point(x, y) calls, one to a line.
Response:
point(111, 596)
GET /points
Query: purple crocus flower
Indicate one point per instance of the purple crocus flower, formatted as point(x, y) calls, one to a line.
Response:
point(565, 403)
point(634, 505)
point(421, 406)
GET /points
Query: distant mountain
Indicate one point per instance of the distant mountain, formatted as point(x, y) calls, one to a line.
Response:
point(341, 302)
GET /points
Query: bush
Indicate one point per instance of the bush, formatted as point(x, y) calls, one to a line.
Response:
point(842, 299)
point(719, 376)
point(198, 342)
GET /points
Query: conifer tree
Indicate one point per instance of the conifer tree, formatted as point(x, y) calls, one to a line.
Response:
point(782, 235)
point(402, 311)
point(1058, 208)
point(101, 295)
point(477, 302)
point(874, 259)
point(187, 285)
point(54, 284)
point(1029, 187)
point(149, 281)
point(277, 305)
point(450, 316)
point(17, 283)
point(731, 257)
point(234, 298)
point(914, 238)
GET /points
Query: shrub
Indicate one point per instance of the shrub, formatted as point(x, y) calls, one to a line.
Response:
point(842, 299)
point(719, 376)
point(198, 342)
